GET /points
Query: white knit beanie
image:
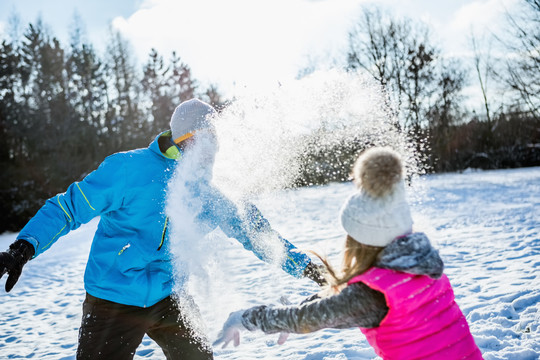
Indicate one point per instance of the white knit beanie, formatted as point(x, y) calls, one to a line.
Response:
point(377, 212)
point(189, 116)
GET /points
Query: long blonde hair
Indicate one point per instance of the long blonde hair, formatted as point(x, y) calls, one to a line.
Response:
point(357, 258)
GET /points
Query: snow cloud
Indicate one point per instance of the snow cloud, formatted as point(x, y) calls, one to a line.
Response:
point(239, 41)
point(481, 15)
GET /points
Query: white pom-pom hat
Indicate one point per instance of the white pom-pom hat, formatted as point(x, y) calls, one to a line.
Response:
point(377, 212)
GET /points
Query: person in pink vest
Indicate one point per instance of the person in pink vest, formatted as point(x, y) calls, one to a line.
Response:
point(391, 284)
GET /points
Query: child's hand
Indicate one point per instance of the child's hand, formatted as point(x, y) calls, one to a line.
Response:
point(231, 330)
point(284, 300)
point(282, 338)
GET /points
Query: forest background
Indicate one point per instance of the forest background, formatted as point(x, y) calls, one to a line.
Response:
point(64, 107)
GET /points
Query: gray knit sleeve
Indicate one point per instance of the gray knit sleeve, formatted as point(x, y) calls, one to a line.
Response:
point(356, 306)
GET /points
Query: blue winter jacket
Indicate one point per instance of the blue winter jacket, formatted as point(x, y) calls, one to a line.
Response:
point(129, 261)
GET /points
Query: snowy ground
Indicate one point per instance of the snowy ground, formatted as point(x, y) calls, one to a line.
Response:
point(486, 225)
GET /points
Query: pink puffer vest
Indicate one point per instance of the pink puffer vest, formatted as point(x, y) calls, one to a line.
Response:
point(423, 320)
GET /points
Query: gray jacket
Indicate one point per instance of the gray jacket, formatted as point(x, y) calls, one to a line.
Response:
point(355, 306)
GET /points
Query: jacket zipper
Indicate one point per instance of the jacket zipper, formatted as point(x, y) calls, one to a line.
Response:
point(124, 249)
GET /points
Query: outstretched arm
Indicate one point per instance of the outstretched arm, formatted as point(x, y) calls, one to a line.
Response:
point(356, 306)
point(82, 201)
point(268, 240)
point(254, 232)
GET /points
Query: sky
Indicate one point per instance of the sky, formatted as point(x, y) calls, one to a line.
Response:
point(252, 44)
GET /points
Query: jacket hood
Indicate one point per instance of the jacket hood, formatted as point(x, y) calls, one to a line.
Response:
point(162, 146)
point(412, 254)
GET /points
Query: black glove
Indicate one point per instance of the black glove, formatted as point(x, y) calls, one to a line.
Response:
point(13, 260)
point(315, 272)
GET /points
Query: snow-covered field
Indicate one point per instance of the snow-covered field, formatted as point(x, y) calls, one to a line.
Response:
point(486, 225)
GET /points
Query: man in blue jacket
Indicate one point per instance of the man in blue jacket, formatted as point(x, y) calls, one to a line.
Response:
point(129, 276)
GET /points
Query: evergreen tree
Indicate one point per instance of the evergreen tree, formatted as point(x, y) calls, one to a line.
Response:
point(124, 122)
point(156, 88)
point(87, 92)
point(181, 83)
point(11, 145)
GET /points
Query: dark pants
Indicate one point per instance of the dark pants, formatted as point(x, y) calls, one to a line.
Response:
point(114, 331)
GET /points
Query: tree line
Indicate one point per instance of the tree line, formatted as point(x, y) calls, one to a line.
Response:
point(426, 88)
point(63, 109)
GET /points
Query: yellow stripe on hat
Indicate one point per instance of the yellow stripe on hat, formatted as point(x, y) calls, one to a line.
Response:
point(184, 137)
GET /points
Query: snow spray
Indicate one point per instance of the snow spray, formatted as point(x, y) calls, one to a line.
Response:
point(261, 142)
point(264, 138)
point(188, 237)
